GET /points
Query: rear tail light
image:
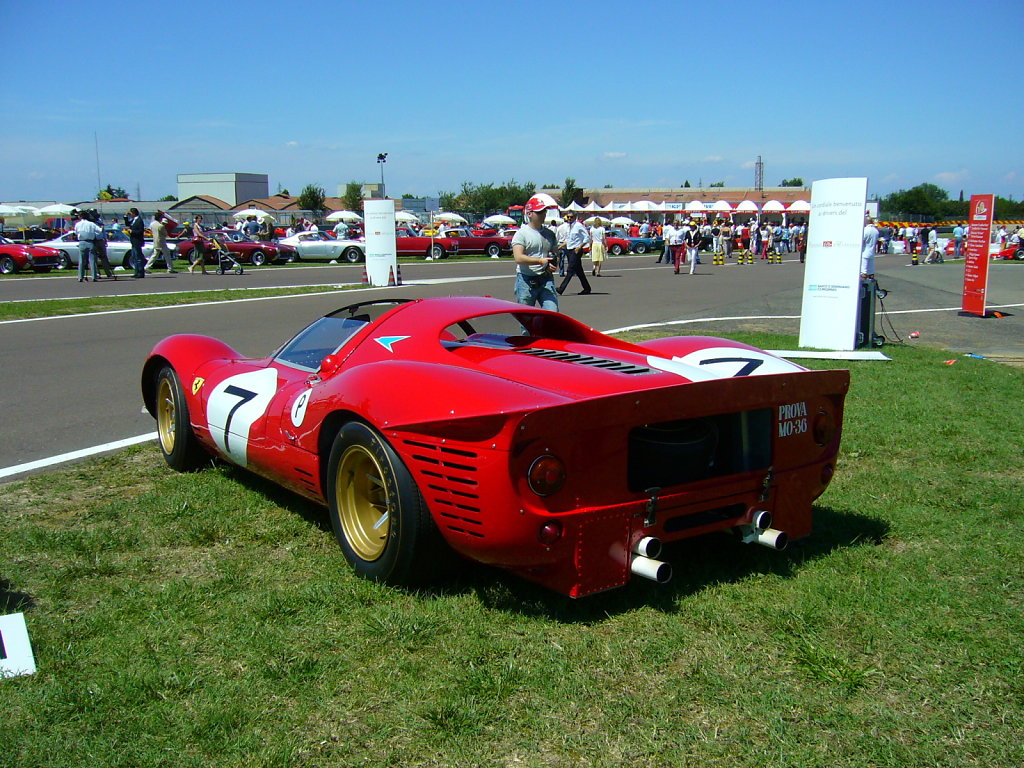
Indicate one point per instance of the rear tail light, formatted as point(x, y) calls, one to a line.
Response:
point(546, 475)
point(824, 428)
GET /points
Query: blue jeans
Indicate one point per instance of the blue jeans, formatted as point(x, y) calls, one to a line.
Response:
point(536, 291)
point(85, 259)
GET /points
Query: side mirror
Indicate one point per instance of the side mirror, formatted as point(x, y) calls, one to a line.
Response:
point(329, 366)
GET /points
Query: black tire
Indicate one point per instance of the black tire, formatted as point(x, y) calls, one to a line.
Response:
point(493, 250)
point(1019, 254)
point(352, 255)
point(640, 248)
point(65, 261)
point(259, 258)
point(7, 265)
point(437, 252)
point(127, 262)
point(178, 443)
point(378, 515)
point(616, 250)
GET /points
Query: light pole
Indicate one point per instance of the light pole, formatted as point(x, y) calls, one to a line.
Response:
point(381, 159)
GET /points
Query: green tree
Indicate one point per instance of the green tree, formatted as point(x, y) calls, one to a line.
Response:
point(353, 197)
point(482, 199)
point(168, 199)
point(609, 186)
point(796, 181)
point(570, 192)
point(717, 184)
point(686, 184)
point(111, 192)
point(311, 198)
point(926, 200)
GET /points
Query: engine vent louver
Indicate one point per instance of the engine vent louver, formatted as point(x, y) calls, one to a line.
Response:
point(451, 489)
point(593, 362)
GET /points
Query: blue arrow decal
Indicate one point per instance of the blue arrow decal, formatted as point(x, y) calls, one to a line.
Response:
point(389, 341)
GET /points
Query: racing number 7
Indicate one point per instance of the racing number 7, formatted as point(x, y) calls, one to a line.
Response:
point(752, 364)
point(244, 396)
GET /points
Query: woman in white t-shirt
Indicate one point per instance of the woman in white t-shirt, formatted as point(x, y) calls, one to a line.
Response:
point(597, 248)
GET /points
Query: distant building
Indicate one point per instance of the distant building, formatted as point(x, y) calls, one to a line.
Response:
point(232, 188)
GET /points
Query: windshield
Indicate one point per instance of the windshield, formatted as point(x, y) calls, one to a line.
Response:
point(327, 335)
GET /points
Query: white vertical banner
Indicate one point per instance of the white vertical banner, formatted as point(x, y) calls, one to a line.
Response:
point(381, 246)
point(835, 233)
point(15, 649)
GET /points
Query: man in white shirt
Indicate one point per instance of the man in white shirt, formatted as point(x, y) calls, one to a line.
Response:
point(577, 241)
point(867, 253)
point(667, 233)
point(532, 247)
point(87, 232)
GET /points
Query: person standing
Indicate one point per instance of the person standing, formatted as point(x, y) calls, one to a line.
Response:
point(85, 231)
point(958, 241)
point(199, 240)
point(867, 252)
point(561, 233)
point(137, 236)
point(692, 240)
point(532, 248)
point(727, 235)
point(597, 247)
point(160, 244)
point(576, 242)
point(666, 254)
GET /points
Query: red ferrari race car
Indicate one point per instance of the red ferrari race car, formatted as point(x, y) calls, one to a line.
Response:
point(242, 248)
point(15, 257)
point(510, 435)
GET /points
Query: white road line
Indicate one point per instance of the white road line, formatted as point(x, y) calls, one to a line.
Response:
point(64, 457)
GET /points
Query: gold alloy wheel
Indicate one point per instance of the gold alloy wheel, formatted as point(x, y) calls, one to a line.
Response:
point(165, 413)
point(363, 504)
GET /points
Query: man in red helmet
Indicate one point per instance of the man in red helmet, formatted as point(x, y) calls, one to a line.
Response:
point(533, 248)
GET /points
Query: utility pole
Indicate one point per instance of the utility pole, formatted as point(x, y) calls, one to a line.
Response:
point(759, 175)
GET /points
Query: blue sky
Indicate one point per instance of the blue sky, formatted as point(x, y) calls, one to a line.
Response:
point(632, 94)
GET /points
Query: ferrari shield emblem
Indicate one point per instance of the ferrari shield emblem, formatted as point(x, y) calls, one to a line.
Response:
point(197, 384)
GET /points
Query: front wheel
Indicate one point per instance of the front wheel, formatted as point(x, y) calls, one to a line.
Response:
point(493, 250)
point(259, 258)
point(352, 255)
point(379, 518)
point(616, 250)
point(438, 252)
point(7, 265)
point(127, 263)
point(1019, 254)
point(178, 443)
point(640, 248)
point(65, 261)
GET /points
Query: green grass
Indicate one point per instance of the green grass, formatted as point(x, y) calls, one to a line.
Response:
point(56, 307)
point(209, 619)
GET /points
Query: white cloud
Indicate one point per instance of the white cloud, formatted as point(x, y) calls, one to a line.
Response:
point(747, 165)
point(713, 159)
point(291, 143)
point(952, 177)
point(613, 155)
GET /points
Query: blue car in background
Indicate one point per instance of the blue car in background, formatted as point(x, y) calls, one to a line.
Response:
point(639, 244)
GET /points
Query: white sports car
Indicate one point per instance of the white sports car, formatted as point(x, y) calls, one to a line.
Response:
point(320, 246)
point(118, 249)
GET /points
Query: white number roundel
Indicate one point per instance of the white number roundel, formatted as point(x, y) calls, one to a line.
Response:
point(724, 363)
point(234, 406)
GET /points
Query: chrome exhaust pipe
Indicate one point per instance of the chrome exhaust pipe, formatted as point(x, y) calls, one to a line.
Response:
point(767, 537)
point(648, 546)
point(648, 568)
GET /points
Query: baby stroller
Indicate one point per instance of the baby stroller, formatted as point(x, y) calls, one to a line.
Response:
point(225, 261)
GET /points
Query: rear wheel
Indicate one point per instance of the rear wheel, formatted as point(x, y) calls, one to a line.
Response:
point(178, 443)
point(616, 250)
point(378, 516)
point(493, 250)
point(438, 252)
point(259, 258)
point(127, 263)
point(65, 260)
point(7, 265)
point(640, 248)
point(352, 255)
point(1019, 254)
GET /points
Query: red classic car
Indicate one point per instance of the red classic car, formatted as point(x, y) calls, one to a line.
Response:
point(616, 245)
point(493, 245)
point(243, 248)
point(509, 435)
point(411, 244)
point(15, 257)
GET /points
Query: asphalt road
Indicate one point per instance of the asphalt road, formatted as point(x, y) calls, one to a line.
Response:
point(72, 383)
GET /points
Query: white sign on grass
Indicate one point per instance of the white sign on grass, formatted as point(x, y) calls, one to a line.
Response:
point(381, 246)
point(835, 233)
point(15, 649)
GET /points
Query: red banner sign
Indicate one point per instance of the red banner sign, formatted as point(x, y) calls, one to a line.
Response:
point(979, 234)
